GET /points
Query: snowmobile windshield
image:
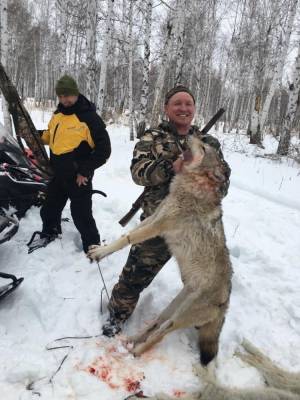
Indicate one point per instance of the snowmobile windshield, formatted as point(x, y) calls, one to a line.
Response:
point(2, 131)
point(10, 151)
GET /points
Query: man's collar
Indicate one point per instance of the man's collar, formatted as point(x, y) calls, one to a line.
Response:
point(170, 127)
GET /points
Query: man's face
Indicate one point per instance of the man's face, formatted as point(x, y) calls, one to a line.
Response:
point(181, 109)
point(67, 101)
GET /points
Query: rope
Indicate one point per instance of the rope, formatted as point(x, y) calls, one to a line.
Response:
point(104, 288)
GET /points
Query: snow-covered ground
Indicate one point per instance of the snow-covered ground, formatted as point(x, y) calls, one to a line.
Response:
point(60, 295)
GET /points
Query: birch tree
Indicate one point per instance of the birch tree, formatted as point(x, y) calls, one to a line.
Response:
point(130, 66)
point(147, 16)
point(91, 35)
point(62, 32)
point(181, 8)
point(276, 70)
point(105, 48)
point(263, 38)
point(4, 54)
point(166, 57)
point(294, 89)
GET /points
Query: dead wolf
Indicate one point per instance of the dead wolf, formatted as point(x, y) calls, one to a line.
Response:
point(190, 220)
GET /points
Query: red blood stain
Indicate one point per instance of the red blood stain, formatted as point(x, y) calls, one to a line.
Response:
point(104, 372)
point(178, 393)
point(110, 368)
point(132, 385)
point(112, 349)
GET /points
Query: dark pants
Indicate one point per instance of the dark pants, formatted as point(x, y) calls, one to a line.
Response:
point(144, 262)
point(58, 192)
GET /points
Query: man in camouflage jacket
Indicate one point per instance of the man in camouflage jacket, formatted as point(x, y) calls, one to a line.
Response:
point(152, 166)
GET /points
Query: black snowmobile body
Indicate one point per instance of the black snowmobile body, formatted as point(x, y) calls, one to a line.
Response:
point(21, 186)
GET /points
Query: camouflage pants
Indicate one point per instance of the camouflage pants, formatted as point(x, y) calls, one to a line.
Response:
point(144, 262)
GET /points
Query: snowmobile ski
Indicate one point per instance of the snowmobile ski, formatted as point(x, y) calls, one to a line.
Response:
point(10, 287)
point(8, 227)
point(24, 126)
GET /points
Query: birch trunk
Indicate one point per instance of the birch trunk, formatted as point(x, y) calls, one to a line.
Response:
point(294, 87)
point(146, 65)
point(36, 70)
point(104, 56)
point(62, 68)
point(91, 34)
point(162, 73)
point(4, 54)
point(277, 70)
point(181, 5)
point(130, 59)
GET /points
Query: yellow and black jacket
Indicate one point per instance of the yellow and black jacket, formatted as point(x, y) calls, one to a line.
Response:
point(78, 140)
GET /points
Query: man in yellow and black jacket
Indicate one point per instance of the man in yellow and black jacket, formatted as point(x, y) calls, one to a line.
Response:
point(79, 143)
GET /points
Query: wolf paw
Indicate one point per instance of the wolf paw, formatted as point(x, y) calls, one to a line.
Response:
point(97, 252)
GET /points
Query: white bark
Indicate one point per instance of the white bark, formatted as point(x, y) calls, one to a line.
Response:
point(104, 56)
point(36, 69)
point(146, 61)
point(62, 31)
point(4, 54)
point(262, 70)
point(294, 88)
point(91, 25)
point(167, 54)
point(181, 6)
point(276, 71)
point(130, 59)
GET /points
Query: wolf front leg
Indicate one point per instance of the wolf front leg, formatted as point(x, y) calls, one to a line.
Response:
point(146, 230)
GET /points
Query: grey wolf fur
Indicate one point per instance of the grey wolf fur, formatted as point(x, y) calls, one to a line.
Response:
point(190, 220)
point(282, 385)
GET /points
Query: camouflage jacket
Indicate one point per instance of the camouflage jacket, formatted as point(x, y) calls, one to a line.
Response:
point(153, 157)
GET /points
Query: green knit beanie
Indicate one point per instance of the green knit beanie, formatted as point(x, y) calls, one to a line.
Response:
point(66, 86)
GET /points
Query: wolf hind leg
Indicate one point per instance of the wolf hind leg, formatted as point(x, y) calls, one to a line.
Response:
point(209, 339)
point(177, 315)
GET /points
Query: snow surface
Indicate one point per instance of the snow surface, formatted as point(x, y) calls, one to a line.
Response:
point(60, 295)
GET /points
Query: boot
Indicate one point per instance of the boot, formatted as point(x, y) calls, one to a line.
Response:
point(112, 326)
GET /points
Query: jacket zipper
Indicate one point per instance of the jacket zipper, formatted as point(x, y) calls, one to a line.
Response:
point(54, 134)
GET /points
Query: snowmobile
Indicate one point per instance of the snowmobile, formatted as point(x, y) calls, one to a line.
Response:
point(24, 172)
point(21, 186)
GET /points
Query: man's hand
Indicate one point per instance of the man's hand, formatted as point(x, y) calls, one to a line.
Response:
point(177, 164)
point(185, 157)
point(81, 180)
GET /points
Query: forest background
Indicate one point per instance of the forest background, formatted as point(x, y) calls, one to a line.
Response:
point(240, 55)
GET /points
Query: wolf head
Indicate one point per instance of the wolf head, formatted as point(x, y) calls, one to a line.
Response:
point(203, 159)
